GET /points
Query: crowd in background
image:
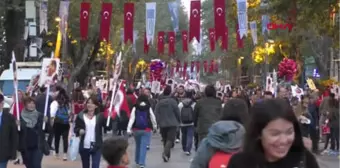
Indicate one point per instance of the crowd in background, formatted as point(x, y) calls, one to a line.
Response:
point(250, 124)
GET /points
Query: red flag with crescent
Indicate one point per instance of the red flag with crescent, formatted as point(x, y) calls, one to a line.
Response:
point(205, 66)
point(105, 21)
point(198, 66)
point(224, 45)
point(219, 8)
point(160, 42)
point(238, 37)
point(129, 12)
point(185, 41)
point(195, 20)
point(84, 19)
point(184, 72)
point(172, 43)
point(212, 66)
point(146, 45)
point(192, 66)
point(212, 37)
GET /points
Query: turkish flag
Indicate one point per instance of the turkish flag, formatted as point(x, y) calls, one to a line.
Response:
point(198, 66)
point(146, 45)
point(212, 38)
point(192, 66)
point(195, 20)
point(172, 42)
point(160, 42)
point(185, 66)
point(205, 66)
point(105, 21)
point(212, 66)
point(219, 8)
point(178, 65)
point(84, 19)
point(225, 40)
point(238, 37)
point(216, 67)
point(185, 41)
point(129, 12)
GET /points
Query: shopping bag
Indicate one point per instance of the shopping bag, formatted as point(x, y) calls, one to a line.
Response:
point(74, 148)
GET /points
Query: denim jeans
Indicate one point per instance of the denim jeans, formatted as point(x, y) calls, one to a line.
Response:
point(32, 158)
point(3, 164)
point(85, 155)
point(187, 138)
point(142, 139)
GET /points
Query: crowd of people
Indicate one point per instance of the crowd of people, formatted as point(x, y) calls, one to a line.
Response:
point(241, 128)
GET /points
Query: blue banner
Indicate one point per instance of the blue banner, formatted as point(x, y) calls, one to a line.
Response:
point(173, 9)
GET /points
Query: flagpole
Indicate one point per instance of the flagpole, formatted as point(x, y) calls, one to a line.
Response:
point(15, 82)
point(47, 98)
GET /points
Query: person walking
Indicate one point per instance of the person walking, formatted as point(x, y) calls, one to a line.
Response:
point(8, 136)
point(168, 116)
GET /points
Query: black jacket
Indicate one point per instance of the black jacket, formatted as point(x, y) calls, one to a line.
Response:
point(30, 138)
point(8, 137)
point(100, 124)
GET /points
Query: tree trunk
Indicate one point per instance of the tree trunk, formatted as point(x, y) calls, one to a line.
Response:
point(81, 63)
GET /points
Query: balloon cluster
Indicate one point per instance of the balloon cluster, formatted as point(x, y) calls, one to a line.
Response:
point(287, 69)
point(156, 69)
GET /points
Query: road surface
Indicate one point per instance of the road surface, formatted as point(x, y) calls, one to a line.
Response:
point(154, 160)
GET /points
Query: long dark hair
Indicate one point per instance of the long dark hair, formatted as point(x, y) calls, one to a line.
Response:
point(62, 97)
point(145, 99)
point(236, 110)
point(261, 114)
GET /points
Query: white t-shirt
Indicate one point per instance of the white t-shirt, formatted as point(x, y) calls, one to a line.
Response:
point(90, 131)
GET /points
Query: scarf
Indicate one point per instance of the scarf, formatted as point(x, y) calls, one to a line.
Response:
point(30, 117)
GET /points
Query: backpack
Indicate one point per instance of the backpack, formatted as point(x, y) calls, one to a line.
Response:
point(62, 116)
point(141, 119)
point(187, 114)
point(220, 160)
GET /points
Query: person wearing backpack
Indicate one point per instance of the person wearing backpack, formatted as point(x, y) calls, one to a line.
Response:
point(60, 120)
point(186, 108)
point(142, 122)
point(224, 138)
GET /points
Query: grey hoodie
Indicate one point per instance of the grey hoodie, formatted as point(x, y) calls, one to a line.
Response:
point(225, 136)
point(167, 112)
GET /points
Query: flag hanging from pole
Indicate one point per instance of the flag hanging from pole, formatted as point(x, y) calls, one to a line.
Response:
point(150, 21)
point(219, 10)
point(43, 16)
point(63, 14)
point(172, 43)
point(129, 13)
point(265, 22)
point(105, 21)
point(160, 42)
point(173, 9)
point(84, 19)
point(253, 31)
point(212, 36)
point(185, 41)
point(242, 17)
point(195, 20)
point(135, 37)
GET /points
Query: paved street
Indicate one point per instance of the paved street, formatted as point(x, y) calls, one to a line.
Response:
point(178, 160)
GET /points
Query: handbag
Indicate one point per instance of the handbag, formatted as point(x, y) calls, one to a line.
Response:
point(74, 148)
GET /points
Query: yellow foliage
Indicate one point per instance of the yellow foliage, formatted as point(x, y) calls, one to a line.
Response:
point(253, 3)
point(260, 52)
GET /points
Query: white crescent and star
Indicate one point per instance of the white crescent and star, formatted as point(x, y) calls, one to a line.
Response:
point(128, 15)
point(171, 39)
point(185, 36)
point(219, 11)
point(160, 38)
point(106, 14)
point(85, 14)
point(195, 12)
point(212, 34)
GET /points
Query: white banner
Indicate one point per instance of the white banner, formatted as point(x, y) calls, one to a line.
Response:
point(150, 17)
point(43, 16)
point(63, 14)
point(253, 31)
point(242, 17)
point(135, 37)
point(265, 21)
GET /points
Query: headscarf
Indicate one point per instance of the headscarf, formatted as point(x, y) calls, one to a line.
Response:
point(30, 117)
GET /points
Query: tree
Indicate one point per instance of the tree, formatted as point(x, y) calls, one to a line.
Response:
point(312, 31)
point(82, 54)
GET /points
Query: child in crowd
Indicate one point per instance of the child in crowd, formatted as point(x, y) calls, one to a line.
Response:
point(114, 151)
